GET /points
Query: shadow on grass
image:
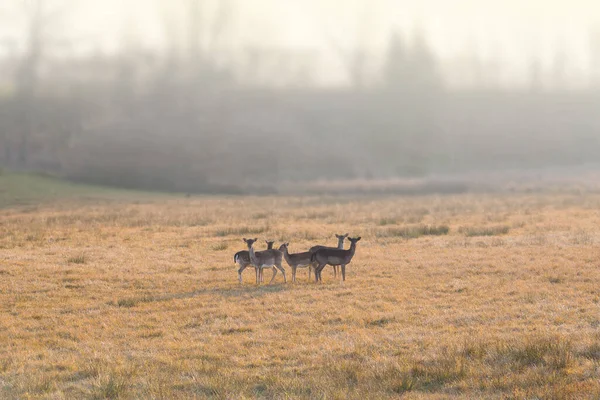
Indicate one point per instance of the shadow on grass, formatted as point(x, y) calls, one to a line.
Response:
point(251, 291)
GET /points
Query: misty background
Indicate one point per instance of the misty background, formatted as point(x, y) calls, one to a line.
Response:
point(233, 96)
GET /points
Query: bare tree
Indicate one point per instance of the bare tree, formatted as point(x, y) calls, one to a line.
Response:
point(220, 25)
point(535, 75)
point(39, 17)
point(194, 29)
point(354, 57)
point(594, 46)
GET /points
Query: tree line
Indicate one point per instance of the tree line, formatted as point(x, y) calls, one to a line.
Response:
point(187, 120)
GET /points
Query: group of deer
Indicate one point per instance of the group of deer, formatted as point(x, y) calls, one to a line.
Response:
point(317, 257)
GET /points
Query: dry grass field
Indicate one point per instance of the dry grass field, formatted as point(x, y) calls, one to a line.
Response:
point(468, 296)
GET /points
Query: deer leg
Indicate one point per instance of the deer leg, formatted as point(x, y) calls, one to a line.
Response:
point(274, 273)
point(242, 268)
point(310, 268)
point(294, 273)
point(343, 272)
point(335, 271)
point(318, 272)
point(257, 272)
point(280, 267)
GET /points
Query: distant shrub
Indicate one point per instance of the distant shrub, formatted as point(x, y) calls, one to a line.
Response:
point(413, 232)
point(484, 231)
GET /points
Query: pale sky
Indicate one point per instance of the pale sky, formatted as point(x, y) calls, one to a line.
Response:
point(512, 31)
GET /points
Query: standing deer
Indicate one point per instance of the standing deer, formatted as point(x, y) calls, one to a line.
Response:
point(340, 245)
point(242, 258)
point(263, 259)
point(296, 260)
point(341, 257)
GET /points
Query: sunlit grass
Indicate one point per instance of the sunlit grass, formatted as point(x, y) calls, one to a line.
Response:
point(127, 299)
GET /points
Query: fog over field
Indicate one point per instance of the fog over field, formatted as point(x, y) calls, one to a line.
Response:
point(444, 154)
point(234, 96)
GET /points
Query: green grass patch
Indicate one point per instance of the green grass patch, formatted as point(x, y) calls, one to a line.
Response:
point(20, 189)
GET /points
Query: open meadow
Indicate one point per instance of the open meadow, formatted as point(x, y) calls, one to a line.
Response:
point(455, 296)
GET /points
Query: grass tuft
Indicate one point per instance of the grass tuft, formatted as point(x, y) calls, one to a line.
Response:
point(113, 386)
point(237, 231)
point(555, 353)
point(219, 246)
point(380, 322)
point(484, 231)
point(134, 301)
point(387, 221)
point(77, 259)
point(413, 232)
point(232, 331)
point(591, 352)
point(582, 238)
point(260, 215)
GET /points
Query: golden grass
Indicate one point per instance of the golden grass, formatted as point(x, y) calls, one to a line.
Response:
point(125, 300)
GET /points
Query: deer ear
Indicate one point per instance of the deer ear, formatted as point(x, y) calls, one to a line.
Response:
point(346, 235)
point(255, 239)
point(358, 238)
point(244, 239)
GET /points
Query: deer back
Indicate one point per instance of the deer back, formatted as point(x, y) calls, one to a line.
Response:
point(332, 256)
point(268, 257)
point(243, 255)
point(298, 258)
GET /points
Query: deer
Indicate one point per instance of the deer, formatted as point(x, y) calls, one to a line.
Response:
point(340, 239)
point(296, 260)
point(327, 256)
point(242, 258)
point(262, 259)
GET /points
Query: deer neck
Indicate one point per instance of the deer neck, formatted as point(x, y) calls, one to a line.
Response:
point(341, 243)
point(253, 258)
point(351, 251)
point(286, 254)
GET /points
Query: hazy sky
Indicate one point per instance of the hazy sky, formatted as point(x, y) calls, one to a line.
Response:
point(512, 31)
